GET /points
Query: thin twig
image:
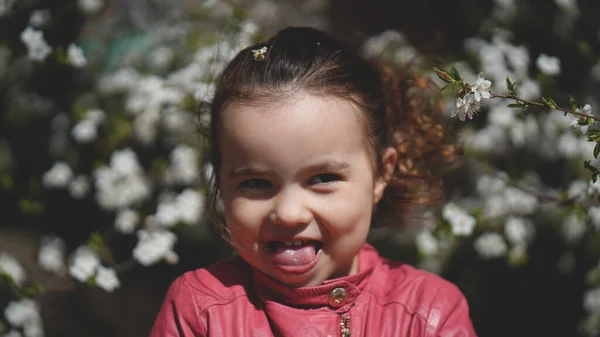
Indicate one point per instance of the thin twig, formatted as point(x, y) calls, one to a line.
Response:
point(527, 189)
point(518, 99)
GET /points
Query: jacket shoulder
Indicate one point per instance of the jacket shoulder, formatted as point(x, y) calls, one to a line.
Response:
point(419, 292)
point(218, 283)
point(191, 294)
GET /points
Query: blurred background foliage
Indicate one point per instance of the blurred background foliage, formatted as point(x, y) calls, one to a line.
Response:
point(543, 296)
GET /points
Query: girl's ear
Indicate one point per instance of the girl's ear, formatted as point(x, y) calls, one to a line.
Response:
point(389, 158)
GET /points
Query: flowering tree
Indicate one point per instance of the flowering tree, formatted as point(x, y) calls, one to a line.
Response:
point(121, 142)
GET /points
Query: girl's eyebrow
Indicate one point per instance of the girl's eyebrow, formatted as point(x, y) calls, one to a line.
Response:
point(248, 171)
point(328, 165)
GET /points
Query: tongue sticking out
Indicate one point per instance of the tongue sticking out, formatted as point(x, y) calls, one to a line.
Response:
point(294, 255)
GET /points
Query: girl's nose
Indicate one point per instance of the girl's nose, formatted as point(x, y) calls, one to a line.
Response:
point(290, 209)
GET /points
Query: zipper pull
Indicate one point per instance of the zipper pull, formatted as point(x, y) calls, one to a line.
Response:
point(345, 326)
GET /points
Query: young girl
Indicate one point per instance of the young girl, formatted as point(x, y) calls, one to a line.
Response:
point(308, 139)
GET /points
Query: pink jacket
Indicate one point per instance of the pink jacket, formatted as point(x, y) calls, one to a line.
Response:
point(384, 299)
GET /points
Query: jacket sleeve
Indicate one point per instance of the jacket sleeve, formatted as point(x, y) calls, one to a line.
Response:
point(449, 314)
point(179, 314)
point(458, 322)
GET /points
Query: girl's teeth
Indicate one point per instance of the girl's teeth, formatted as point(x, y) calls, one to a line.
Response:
point(295, 243)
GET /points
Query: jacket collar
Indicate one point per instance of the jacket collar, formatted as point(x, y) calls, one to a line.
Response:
point(269, 290)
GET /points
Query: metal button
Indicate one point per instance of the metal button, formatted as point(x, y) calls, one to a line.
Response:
point(337, 297)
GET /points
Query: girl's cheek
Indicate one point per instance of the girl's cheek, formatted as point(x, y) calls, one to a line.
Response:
point(244, 212)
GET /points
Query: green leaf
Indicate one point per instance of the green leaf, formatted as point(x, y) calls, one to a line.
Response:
point(511, 86)
point(454, 73)
point(549, 102)
point(31, 206)
point(593, 135)
point(6, 182)
point(515, 105)
point(572, 102)
point(443, 75)
point(596, 149)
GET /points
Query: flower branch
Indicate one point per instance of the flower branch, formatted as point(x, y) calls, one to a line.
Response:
point(549, 104)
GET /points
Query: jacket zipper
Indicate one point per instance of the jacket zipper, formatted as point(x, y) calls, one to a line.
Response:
point(345, 326)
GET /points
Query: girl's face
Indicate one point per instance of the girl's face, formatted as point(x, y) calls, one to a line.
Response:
point(298, 186)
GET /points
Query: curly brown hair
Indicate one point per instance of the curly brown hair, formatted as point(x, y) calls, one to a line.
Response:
point(401, 109)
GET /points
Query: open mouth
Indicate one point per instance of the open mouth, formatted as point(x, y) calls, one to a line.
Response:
point(296, 257)
point(274, 246)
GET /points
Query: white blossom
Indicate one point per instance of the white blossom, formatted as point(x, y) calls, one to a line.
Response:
point(204, 92)
point(59, 176)
point(376, 45)
point(518, 230)
point(529, 89)
point(489, 139)
point(518, 57)
point(488, 185)
point(51, 256)
point(184, 166)
point(79, 187)
point(106, 278)
point(126, 221)
point(119, 81)
point(573, 228)
point(523, 133)
point(594, 213)
point(122, 183)
point(577, 189)
point(186, 207)
point(427, 243)
point(567, 5)
point(12, 267)
point(153, 246)
point(593, 187)
point(20, 313)
point(586, 109)
point(6, 6)
point(90, 6)
point(115, 190)
point(39, 18)
point(37, 48)
point(481, 88)
point(75, 56)
point(11, 333)
point(490, 245)
point(161, 57)
point(178, 121)
point(548, 65)
point(125, 162)
point(84, 131)
point(501, 115)
point(568, 145)
point(466, 106)
point(84, 264)
point(520, 202)
point(591, 300)
point(461, 222)
point(34, 328)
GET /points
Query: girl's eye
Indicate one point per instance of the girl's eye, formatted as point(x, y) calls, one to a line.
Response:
point(255, 184)
point(324, 178)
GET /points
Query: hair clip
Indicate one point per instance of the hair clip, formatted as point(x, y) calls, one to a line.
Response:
point(259, 54)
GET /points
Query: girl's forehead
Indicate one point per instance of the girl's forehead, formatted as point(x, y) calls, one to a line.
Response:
point(296, 111)
point(305, 126)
